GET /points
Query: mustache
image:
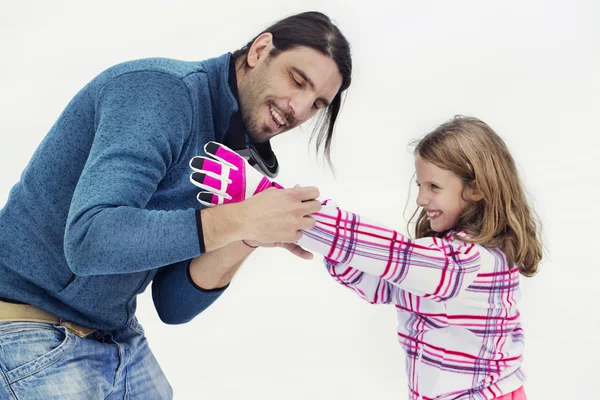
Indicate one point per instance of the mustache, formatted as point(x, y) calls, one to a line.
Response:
point(287, 114)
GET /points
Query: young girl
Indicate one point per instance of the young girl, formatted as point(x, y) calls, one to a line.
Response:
point(456, 287)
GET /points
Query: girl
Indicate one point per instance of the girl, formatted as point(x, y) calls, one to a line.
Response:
point(456, 286)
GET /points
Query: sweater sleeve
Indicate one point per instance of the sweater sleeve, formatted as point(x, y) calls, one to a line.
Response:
point(430, 267)
point(142, 121)
point(177, 298)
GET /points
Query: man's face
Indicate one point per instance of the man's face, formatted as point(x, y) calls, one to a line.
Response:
point(279, 93)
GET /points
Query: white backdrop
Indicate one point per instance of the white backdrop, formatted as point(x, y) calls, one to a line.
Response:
point(284, 329)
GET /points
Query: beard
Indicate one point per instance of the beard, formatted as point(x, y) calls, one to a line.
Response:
point(257, 133)
point(253, 96)
point(263, 132)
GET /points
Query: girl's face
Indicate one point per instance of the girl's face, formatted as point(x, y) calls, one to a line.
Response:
point(442, 194)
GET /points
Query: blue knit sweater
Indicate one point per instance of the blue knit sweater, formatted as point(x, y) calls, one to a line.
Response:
point(105, 205)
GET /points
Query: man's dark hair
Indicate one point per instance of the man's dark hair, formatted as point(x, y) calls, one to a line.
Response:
point(315, 30)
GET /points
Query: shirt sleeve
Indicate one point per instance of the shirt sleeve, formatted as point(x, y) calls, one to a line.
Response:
point(429, 267)
point(142, 122)
point(176, 298)
point(369, 287)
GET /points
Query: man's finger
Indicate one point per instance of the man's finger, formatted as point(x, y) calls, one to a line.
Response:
point(311, 207)
point(298, 251)
point(304, 193)
point(297, 237)
point(308, 223)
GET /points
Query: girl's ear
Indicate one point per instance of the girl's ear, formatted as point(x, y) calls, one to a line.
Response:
point(474, 194)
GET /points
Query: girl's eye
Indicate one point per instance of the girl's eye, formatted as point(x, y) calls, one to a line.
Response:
point(434, 186)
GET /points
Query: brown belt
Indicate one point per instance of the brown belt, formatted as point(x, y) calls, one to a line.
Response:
point(12, 312)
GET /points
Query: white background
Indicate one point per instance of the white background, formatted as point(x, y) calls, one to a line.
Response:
point(284, 329)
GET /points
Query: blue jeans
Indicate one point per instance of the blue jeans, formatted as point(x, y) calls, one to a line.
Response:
point(43, 361)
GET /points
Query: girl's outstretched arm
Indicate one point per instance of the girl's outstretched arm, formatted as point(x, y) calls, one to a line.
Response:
point(370, 287)
point(430, 267)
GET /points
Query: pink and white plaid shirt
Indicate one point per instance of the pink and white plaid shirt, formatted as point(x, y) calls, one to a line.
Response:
point(456, 302)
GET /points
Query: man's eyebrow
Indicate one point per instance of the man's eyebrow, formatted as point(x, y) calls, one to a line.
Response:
point(310, 83)
point(304, 76)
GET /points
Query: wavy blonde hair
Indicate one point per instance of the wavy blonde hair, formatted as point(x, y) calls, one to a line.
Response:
point(472, 150)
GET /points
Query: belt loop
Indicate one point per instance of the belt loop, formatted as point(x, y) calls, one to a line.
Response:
point(80, 331)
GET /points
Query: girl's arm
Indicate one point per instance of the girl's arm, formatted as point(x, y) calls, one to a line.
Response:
point(371, 288)
point(430, 267)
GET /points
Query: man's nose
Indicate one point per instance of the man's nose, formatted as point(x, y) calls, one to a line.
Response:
point(301, 106)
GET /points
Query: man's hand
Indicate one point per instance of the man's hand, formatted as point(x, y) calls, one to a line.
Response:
point(279, 215)
point(262, 213)
point(291, 247)
point(269, 217)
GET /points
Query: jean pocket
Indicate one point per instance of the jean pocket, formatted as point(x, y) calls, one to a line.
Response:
point(29, 347)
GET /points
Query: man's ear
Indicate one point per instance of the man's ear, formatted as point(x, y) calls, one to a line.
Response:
point(260, 49)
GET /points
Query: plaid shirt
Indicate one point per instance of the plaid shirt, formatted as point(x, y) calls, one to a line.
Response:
point(456, 302)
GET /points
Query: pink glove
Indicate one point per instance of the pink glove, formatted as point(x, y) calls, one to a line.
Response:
point(228, 178)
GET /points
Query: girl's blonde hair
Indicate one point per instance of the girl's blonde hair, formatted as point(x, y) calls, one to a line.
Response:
point(503, 218)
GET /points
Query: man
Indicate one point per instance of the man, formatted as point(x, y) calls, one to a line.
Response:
point(105, 207)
